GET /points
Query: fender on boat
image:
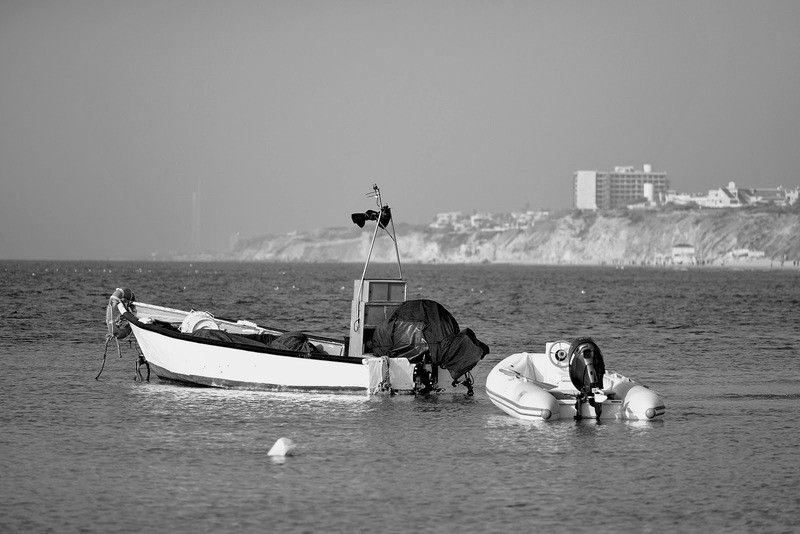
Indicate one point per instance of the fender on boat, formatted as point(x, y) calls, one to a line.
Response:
point(117, 325)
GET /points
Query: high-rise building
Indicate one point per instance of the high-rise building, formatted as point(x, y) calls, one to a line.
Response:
point(621, 187)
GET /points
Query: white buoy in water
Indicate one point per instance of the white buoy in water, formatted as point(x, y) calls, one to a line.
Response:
point(282, 447)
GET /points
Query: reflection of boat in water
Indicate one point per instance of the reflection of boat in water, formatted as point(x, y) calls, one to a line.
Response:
point(568, 381)
point(394, 345)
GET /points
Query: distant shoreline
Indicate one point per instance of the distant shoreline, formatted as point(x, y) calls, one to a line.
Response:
point(740, 265)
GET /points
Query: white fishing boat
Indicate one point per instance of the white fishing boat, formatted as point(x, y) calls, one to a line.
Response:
point(394, 345)
point(568, 381)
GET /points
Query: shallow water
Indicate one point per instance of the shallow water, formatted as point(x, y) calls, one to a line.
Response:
point(114, 455)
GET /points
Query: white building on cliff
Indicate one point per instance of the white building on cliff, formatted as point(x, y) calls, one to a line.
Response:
point(735, 197)
point(595, 190)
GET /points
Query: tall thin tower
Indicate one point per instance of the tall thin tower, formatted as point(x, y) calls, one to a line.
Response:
point(195, 240)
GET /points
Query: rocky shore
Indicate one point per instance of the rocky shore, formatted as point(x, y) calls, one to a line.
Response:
point(756, 238)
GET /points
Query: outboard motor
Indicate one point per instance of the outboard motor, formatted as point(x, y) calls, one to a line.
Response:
point(586, 370)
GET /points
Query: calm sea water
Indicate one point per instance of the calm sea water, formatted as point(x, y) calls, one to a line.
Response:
point(114, 455)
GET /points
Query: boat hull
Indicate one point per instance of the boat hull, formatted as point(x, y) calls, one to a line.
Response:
point(180, 358)
point(527, 397)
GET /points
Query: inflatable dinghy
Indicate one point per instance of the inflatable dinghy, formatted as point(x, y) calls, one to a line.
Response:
point(568, 381)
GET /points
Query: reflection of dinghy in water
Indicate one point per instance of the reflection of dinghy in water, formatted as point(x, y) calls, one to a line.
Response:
point(393, 346)
point(568, 381)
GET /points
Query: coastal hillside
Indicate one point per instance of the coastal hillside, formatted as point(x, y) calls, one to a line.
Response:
point(579, 238)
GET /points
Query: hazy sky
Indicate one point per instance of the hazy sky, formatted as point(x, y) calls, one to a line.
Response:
point(283, 114)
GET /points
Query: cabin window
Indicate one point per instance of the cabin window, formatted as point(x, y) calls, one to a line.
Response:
point(386, 292)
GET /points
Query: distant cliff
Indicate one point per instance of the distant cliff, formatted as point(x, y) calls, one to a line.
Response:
point(622, 237)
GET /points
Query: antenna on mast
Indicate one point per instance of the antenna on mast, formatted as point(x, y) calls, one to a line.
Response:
point(383, 220)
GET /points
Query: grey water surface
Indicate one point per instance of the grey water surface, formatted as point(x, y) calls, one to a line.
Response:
point(115, 455)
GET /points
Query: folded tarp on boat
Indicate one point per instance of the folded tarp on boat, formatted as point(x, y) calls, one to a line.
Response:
point(293, 341)
point(423, 327)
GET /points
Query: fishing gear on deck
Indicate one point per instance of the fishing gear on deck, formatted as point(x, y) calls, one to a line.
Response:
point(117, 325)
point(119, 328)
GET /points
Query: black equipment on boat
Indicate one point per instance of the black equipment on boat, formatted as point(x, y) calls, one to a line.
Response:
point(586, 366)
point(383, 217)
point(423, 331)
point(586, 370)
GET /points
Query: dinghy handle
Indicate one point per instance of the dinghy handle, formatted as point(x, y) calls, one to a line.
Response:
point(515, 374)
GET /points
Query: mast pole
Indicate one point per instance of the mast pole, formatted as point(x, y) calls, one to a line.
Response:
point(396, 251)
point(376, 192)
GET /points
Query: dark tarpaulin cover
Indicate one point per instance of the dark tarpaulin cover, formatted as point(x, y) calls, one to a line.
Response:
point(417, 327)
point(294, 341)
